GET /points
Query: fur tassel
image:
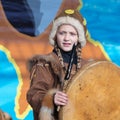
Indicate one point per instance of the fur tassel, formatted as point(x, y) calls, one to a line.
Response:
point(47, 108)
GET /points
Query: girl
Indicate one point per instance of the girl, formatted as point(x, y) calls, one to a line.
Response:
point(48, 73)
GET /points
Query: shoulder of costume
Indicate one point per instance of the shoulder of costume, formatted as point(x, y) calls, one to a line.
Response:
point(50, 58)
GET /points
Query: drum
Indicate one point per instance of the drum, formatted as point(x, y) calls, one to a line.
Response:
point(94, 93)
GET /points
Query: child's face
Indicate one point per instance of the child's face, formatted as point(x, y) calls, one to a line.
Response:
point(67, 36)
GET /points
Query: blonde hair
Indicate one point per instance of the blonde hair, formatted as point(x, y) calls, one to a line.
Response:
point(78, 51)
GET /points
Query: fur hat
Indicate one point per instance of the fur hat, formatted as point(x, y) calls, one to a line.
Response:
point(73, 18)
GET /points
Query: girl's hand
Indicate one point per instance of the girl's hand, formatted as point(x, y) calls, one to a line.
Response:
point(60, 98)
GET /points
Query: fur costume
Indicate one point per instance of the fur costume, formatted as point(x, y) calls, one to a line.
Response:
point(47, 108)
point(56, 68)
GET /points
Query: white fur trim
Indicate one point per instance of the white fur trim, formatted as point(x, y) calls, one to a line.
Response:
point(45, 113)
point(47, 108)
point(68, 20)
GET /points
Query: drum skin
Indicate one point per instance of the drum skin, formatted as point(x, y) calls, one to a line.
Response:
point(94, 93)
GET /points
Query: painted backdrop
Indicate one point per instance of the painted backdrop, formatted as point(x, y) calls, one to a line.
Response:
point(24, 29)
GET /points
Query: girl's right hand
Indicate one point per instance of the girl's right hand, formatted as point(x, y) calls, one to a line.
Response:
point(60, 98)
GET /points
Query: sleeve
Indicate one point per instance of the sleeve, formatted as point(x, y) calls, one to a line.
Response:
point(41, 81)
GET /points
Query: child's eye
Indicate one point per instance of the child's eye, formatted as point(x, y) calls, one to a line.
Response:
point(61, 33)
point(73, 34)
